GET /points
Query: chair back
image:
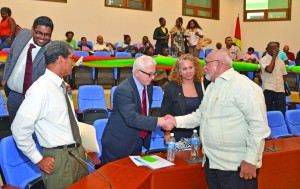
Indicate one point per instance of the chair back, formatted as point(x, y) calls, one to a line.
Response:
point(100, 125)
point(292, 118)
point(202, 54)
point(112, 91)
point(81, 53)
point(257, 54)
point(17, 169)
point(292, 63)
point(3, 111)
point(123, 55)
point(157, 97)
point(91, 96)
point(87, 42)
point(277, 124)
point(157, 139)
point(207, 51)
point(102, 53)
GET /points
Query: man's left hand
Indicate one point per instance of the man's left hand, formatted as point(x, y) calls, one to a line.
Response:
point(248, 171)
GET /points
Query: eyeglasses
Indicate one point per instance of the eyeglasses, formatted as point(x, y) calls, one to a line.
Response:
point(206, 62)
point(149, 74)
point(40, 34)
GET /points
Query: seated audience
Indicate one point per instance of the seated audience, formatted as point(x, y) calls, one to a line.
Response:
point(184, 92)
point(72, 42)
point(250, 56)
point(104, 46)
point(127, 46)
point(84, 46)
point(144, 44)
point(290, 55)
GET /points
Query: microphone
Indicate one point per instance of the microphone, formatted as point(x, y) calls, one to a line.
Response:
point(81, 160)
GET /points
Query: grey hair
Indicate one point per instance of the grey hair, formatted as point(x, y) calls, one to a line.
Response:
point(55, 49)
point(223, 56)
point(142, 62)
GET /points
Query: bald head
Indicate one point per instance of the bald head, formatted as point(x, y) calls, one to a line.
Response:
point(217, 62)
point(100, 39)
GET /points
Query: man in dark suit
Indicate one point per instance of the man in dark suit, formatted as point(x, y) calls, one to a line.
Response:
point(124, 134)
point(18, 73)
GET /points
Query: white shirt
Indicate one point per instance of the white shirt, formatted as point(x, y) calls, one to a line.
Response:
point(272, 81)
point(233, 122)
point(234, 52)
point(45, 112)
point(192, 37)
point(16, 79)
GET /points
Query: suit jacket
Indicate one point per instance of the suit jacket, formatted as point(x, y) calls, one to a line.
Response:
point(126, 121)
point(174, 101)
point(158, 33)
point(38, 64)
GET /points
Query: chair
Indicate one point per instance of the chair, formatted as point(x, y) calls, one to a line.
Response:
point(138, 55)
point(257, 54)
point(207, 51)
point(17, 169)
point(5, 125)
point(6, 49)
point(292, 63)
point(91, 102)
point(201, 54)
point(292, 118)
point(157, 143)
point(124, 72)
point(277, 125)
point(104, 76)
point(82, 75)
point(156, 101)
point(112, 91)
point(99, 125)
point(87, 42)
point(3, 111)
point(251, 75)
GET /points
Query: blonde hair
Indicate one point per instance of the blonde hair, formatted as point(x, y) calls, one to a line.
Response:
point(175, 72)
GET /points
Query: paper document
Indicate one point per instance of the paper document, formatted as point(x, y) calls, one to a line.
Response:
point(88, 137)
point(153, 162)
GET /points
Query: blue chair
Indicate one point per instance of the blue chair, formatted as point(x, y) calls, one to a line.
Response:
point(122, 73)
point(87, 42)
point(79, 73)
point(157, 97)
point(277, 125)
point(112, 91)
point(99, 125)
point(156, 142)
point(6, 49)
point(138, 55)
point(250, 75)
point(3, 111)
point(17, 169)
point(102, 53)
point(257, 54)
point(202, 54)
point(292, 63)
point(92, 103)
point(104, 76)
point(207, 51)
point(292, 118)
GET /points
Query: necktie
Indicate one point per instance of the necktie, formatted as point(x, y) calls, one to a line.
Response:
point(144, 112)
point(28, 70)
point(73, 122)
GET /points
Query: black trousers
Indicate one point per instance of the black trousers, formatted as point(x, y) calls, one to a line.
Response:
point(275, 101)
point(219, 179)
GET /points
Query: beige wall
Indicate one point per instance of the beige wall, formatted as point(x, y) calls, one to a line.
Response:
point(90, 18)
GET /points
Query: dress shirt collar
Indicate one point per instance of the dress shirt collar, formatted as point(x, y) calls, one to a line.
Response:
point(139, 86)
point(227, 75)
point(55, 78)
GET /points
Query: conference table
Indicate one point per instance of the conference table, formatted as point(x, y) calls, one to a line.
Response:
point(280, 170)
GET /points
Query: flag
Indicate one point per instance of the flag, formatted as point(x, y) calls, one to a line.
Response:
point(237, 35)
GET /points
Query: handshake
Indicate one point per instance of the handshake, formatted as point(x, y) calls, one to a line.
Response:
point(167, 122)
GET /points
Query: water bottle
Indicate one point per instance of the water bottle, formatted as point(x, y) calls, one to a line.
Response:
point(171, 148)
point(194, 145)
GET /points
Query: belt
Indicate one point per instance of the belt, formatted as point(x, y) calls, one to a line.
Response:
point(75, 145)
